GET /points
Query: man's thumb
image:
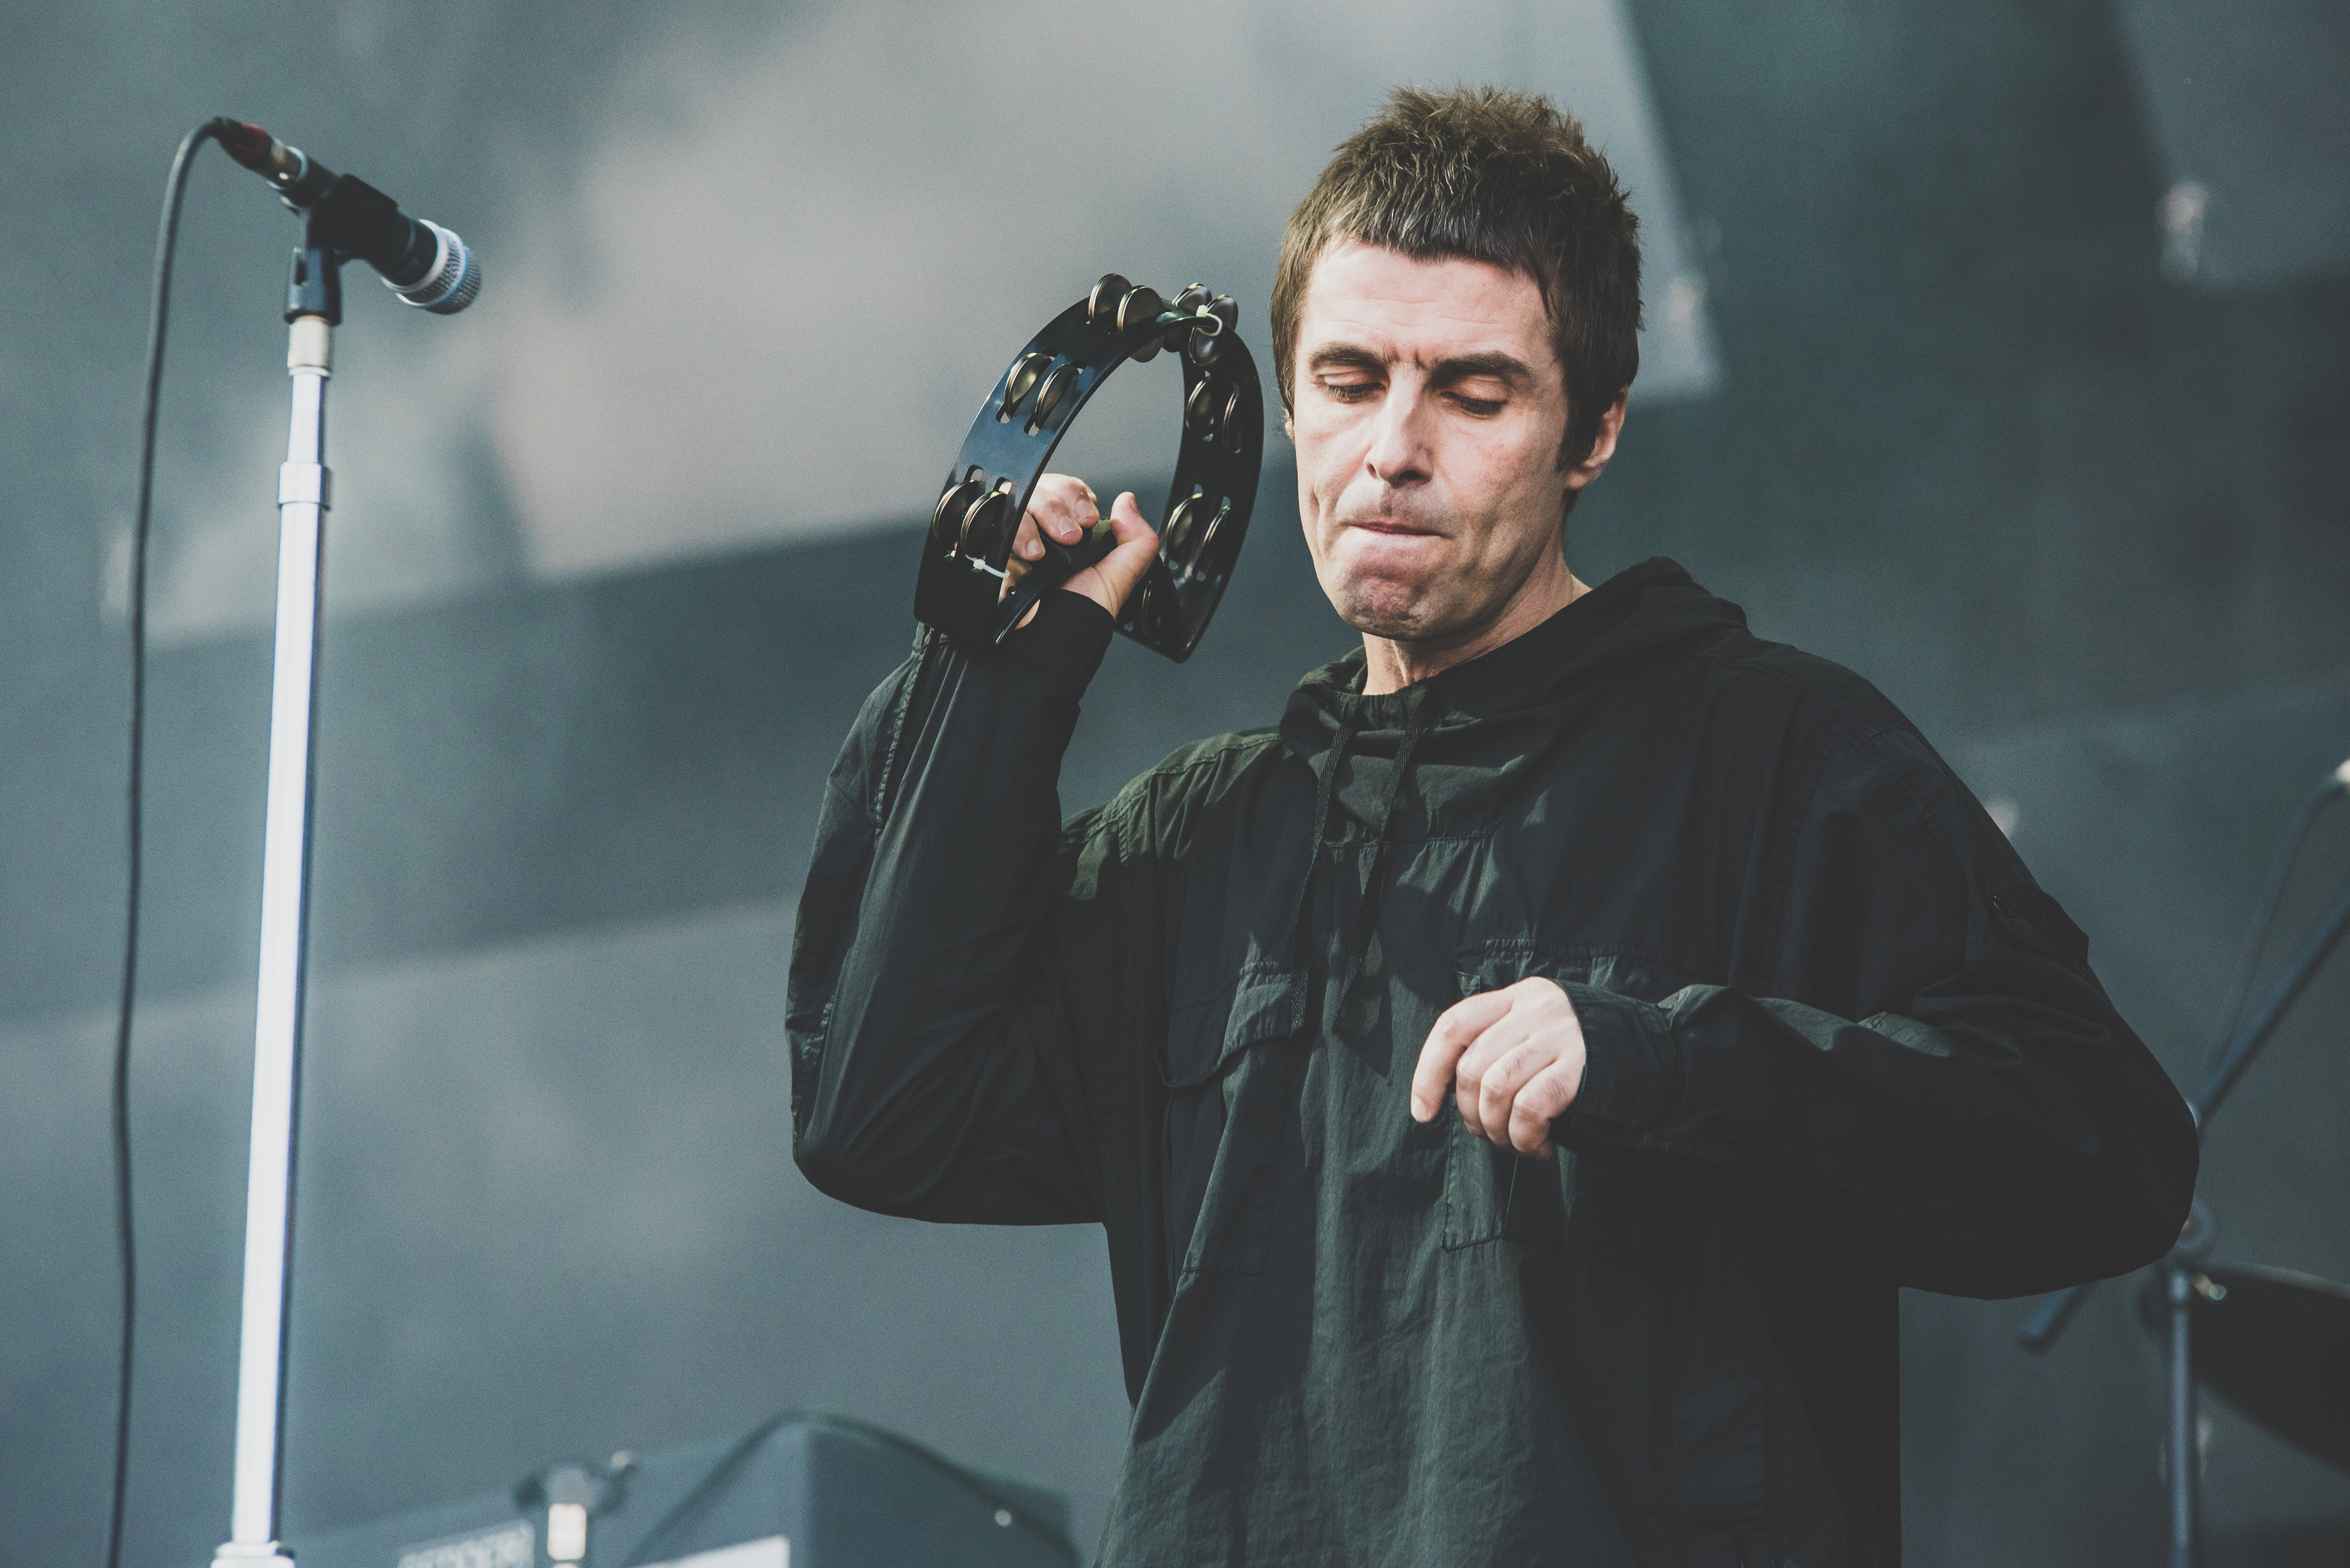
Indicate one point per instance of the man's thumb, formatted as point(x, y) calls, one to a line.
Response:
point(1137, 547)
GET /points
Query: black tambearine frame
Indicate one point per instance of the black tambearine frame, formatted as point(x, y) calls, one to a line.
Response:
point(966, 551)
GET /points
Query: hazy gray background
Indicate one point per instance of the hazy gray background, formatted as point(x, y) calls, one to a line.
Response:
point(1999, 351)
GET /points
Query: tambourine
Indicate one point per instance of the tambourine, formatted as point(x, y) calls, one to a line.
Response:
point(967, 550)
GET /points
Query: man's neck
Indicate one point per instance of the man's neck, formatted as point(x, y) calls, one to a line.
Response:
point(1389, 665)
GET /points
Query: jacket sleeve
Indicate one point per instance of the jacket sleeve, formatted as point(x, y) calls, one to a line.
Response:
point(933, 1038)
point(1955, 1102)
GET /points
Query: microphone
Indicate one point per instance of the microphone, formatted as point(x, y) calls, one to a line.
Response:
point(427, 266)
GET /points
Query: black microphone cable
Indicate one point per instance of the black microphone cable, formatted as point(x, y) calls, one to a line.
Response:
point(157, 321)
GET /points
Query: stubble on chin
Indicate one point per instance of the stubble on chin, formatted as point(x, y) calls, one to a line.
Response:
point(1387, 607)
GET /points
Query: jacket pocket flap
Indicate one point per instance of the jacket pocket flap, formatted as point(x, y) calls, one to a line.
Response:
point(1203, 1036)
point(1606, 966)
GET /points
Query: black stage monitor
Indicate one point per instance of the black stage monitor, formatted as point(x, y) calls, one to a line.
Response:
point(801, 1490)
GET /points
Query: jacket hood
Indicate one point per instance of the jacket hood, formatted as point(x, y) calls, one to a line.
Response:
point(1505, 702)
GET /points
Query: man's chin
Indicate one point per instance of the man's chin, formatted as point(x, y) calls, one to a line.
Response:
point(1382, 607)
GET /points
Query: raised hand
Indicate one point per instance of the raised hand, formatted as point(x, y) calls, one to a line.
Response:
point(1065, 507)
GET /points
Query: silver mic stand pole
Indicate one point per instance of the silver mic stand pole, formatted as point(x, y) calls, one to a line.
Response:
point(314, 308)
point(2182, 1447)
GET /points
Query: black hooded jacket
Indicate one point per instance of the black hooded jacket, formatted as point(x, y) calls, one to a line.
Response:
point(1838, 1043)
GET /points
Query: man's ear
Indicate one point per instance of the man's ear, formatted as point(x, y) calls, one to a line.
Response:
point(1611, 425)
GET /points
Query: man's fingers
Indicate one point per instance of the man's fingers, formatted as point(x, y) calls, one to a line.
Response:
point(1109, 582)
point(1076, 511)
point(1542, 1101)
point(1130, 528)
point(1498, 1087)
point(1025, 544)
point(1515, 1059)
point(1062, 505)
point(1063, 508)
point(1455, 1031)
point(1501, 1037)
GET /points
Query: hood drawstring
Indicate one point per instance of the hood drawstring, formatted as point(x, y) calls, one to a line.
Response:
point(1356, 950)
point(1352, 949)
point(1324, 788)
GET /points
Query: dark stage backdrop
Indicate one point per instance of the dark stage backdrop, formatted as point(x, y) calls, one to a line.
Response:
point(2085, 522)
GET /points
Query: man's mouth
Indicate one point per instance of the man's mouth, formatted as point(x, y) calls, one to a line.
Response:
point(1387, 525)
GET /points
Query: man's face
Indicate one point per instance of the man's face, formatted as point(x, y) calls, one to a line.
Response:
point(1430, 408)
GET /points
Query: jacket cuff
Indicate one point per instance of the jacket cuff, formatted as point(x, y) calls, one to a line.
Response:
point(1630, 1072)
point(1065, 640)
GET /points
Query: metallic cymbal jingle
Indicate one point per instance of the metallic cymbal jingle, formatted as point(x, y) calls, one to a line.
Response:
point(1101, 304)
point(1019, 382)
point(946, 518)
point(1180, 524)
point(987, 529)
point(1048, 397)
point(967, 587)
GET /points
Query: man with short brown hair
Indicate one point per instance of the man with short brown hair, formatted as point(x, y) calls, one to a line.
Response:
point(1746, 1013)
point(1523, 191)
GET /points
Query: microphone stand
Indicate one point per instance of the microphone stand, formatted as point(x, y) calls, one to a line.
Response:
point(313, 307)
point(2180, 1277)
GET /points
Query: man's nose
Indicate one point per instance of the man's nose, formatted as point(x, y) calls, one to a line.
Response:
point(1398, 453)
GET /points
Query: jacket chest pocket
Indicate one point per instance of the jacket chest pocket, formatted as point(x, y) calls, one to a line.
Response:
point(1491, 1193)
point(1231, 1128)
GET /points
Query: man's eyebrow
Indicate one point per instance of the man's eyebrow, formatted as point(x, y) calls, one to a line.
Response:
point(1462, 366)
point(1445, 372)
point(1347, 355)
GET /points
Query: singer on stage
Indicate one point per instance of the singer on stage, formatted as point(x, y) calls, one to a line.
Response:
point(1515, 1083)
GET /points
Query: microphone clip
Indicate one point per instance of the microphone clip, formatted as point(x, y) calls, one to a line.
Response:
point(346, 219)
